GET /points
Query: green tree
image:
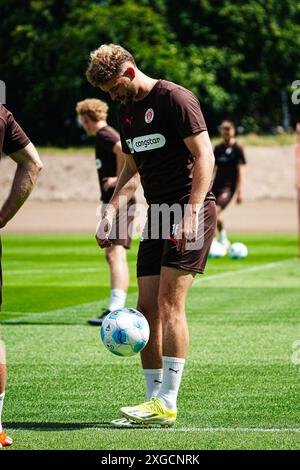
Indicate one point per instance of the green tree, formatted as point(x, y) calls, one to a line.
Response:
point(237, 56)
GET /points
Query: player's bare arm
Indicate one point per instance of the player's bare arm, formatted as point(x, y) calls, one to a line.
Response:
point(111, 181)
point(127, 183)
point(126, 186)
point(28, 167)
point(200, 147)
point(239, 184)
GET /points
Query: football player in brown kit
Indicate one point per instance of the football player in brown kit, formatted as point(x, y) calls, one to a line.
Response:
point(229, 177)
point(165, 142)
point(15, 143)
point(109, 162)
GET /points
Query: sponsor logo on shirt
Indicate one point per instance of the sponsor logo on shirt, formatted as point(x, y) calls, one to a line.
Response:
point(146, 142)
point(149, 115)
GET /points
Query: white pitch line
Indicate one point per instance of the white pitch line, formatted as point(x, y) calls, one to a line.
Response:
point(202, 279)
point(252, 269)
point(100, 303)
point(261, 430)
point(51, 271)
point(72, 308)
point(157, 429)
point(197, 281)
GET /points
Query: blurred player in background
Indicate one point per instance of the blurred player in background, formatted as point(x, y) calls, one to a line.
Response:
point(15, 143)
point(109, 162)
point(165, 141)
point(229, 176)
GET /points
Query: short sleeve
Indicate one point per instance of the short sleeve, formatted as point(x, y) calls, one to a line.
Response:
point(15, 138)
point(186, 112)
point(241, 156)
point(107, 139)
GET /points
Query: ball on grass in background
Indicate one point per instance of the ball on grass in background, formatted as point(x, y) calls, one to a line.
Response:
point(238, 251)
point(125, 332)
point(217, 250)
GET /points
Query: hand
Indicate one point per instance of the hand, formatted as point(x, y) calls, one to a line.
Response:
point(187, 230)
point(103, 231)
point(109, 182)
point(239, 197)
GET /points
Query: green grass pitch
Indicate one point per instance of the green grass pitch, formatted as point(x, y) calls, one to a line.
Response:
point(240, 388)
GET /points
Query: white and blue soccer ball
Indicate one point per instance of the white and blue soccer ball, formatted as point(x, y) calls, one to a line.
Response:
point(238, 251)
point(125, 332)
point(217, 250)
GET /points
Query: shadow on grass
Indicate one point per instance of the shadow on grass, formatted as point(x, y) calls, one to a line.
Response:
point(36, 426)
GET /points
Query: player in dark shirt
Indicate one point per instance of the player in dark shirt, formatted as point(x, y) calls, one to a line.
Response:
point(229, 176)
point(15, 143)
point(109, 163)
point(166, 144)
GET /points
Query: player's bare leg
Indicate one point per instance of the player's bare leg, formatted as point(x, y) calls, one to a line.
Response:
point(119, 280)
point(4, 439)
point(2, 368)
point(119, 275)
point(220, 223)
point(151, 356)
point(173, 289)
point(221, 228)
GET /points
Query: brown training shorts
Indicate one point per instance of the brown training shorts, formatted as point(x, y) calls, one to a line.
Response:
point(153, 253)
point(223, 196)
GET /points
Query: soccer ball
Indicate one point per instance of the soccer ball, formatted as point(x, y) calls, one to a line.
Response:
point(217, 250)
point(125, 332)
point(238, 251)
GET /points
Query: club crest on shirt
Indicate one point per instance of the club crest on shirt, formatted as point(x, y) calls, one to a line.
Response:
point(149, 115)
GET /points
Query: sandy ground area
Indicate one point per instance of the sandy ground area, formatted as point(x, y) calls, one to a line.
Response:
point(67, 194)
point(80, 217)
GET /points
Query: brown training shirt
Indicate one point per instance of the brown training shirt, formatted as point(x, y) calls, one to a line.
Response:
point(228, 157)
point(106, 163)
point(12, 136)
point(12, 139)
point(153, 131)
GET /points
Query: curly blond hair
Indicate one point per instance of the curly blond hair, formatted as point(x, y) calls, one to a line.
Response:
point(106, 63)
point(96, 109)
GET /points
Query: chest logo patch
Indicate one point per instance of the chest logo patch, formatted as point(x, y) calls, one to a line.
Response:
point(149, 115)
point(148, 142)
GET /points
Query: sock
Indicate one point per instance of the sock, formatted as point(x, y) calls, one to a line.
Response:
point(172, 373)
point(223, 236)
point(1, 407)
point(117, 299)
point(153, 379)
